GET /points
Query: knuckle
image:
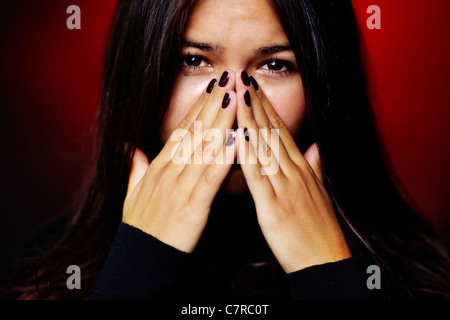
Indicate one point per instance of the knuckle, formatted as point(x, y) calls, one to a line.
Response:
point(185, 124)
point(209, 178)
point(259, 177)
point(272, 218)
point(267, 125)
point(277, 122)
point(157, 164)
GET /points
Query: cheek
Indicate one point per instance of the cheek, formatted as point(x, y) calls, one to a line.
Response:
point(288, 100)
point(185, 93)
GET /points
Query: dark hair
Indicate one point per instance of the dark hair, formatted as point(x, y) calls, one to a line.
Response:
point(139, 72)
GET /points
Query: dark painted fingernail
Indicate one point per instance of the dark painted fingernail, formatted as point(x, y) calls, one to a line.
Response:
point(211, 86)
point(247, 99)
point(245, 79)
point(255, 84)
point(246, 135)
point(230, 140)
point(226, 100)
point(224, 79)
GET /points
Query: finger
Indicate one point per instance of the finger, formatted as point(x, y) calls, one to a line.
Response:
point(139, 167)
point(290, 156)
point(186, 124)
point(215, 133)
point(193, 137)
point(208, 185)
point(312, 155)
point(277, 123)
point(265, 144)
point(269, 133)
point(211, 146)
point(258, 183)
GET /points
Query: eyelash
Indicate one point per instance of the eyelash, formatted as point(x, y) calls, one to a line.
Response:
point(286, 65)
point(186, 66)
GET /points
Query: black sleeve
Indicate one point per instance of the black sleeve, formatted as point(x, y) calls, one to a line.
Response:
point(341, 280)
point(139, 267)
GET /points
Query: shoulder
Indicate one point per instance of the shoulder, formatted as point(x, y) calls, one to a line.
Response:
point(341, 280)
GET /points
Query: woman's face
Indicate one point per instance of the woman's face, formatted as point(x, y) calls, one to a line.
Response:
point(238, 35)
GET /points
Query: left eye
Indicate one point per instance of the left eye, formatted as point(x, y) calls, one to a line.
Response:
point(275, 65)
point(194, 61)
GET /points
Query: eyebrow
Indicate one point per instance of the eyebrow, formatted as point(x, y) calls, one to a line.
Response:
point(213, 47)
point(273, 49)
point(202, 45)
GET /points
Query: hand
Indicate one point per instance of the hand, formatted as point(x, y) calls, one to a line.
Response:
point(171, 200)
point(294, 211)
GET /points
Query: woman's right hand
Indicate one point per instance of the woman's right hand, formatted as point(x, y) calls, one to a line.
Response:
point(171, 200)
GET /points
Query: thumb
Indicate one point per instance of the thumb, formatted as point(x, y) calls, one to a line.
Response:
point(138, 168)
point(313, 157)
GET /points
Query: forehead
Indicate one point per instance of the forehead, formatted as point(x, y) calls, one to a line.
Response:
point(235, 22)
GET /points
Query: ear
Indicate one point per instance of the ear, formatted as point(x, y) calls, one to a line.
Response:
point(313, 157)
point(139, 167)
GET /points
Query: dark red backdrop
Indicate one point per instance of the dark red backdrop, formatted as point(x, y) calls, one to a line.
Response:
point(50, 78)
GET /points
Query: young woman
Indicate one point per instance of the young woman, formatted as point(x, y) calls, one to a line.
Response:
point(304, 210)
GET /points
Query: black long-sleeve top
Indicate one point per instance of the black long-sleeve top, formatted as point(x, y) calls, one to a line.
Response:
point(232, 260)
point(140, 266)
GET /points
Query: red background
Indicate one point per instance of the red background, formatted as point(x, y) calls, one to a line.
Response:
point(50, 78)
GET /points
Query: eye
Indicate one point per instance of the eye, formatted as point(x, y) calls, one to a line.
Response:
point(276, 66)
point(195, 61)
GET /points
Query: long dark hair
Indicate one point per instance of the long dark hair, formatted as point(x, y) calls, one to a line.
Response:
point(141, 62)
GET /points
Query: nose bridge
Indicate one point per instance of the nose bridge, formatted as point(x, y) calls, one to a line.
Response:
point(236, 54)
point(234, 63)
point(236, 59)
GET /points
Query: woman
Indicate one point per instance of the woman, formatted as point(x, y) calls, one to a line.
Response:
point(309, 206)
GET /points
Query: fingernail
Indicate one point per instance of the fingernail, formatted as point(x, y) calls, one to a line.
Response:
point(246, 135)
point(244, 78)
point(226, 100)
point(255, 84)
point(211, 86)
point(247, 99)
point(224, 79)
point(230, 140)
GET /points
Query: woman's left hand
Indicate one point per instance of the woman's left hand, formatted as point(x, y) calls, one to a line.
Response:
point(295, 212)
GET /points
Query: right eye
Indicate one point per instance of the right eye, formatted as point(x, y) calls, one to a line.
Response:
point(190, 61)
